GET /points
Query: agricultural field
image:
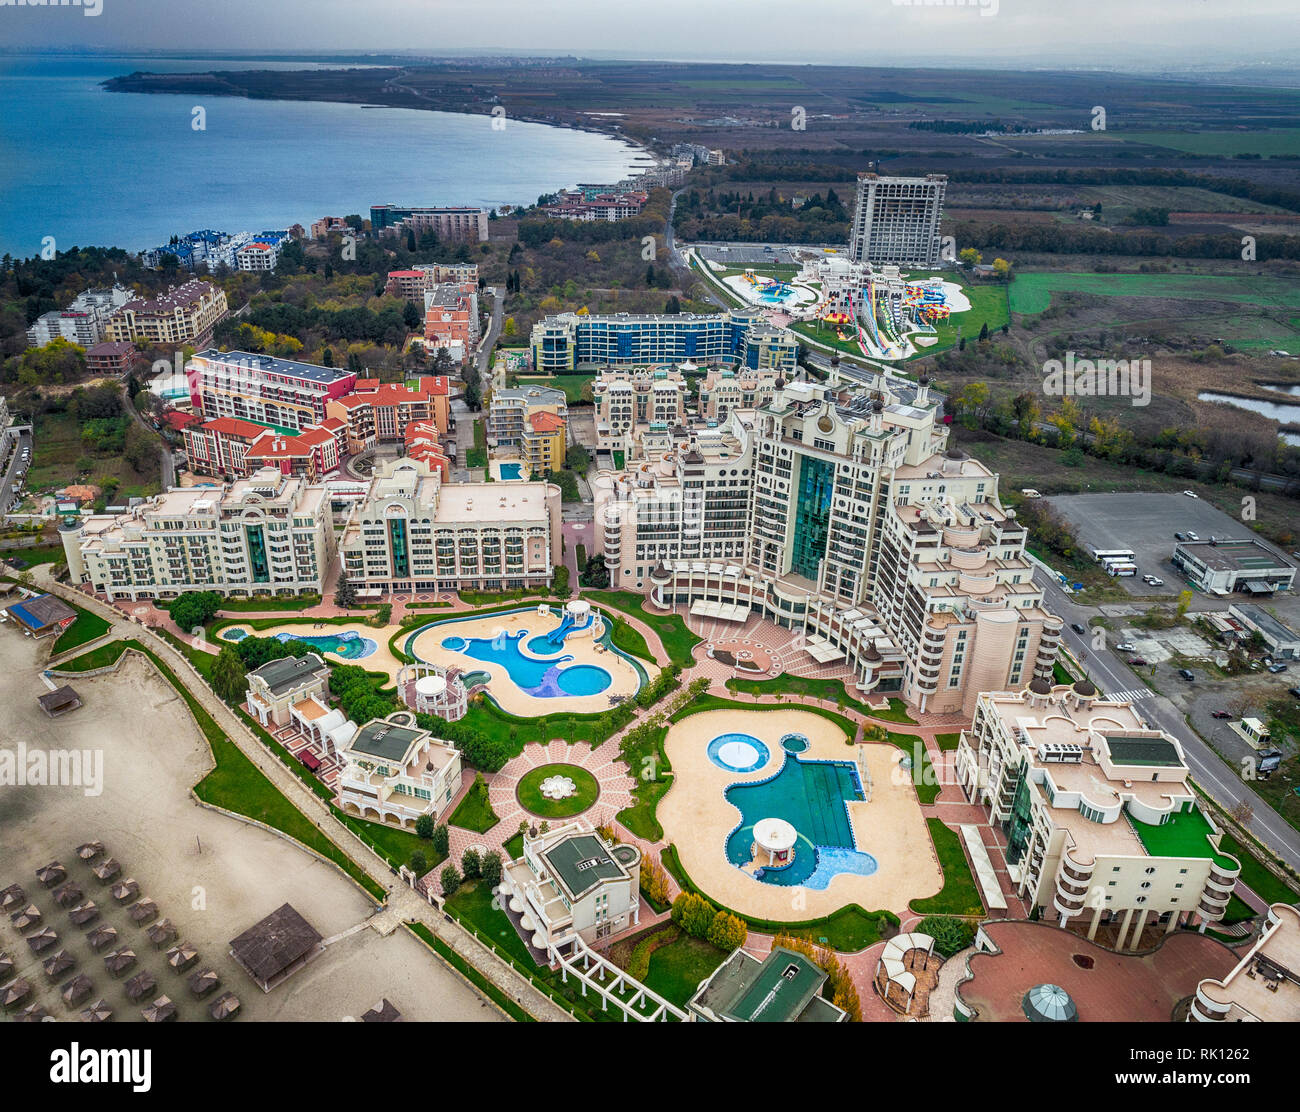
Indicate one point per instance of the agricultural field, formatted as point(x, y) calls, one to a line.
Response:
point(1032, 293)
point(1278, 142)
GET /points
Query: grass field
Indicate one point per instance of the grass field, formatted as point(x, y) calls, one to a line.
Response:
point(1032, 293)
point(85, 629)
point(678, 640)
point(1281, 141)
point(59, 450)
point(474, 812)
point(677, 969)
point(958, 896)
point(529, 791)
point(571, 385)
point(101, 657)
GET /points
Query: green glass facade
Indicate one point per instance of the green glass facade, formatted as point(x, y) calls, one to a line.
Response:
point(256, 537)
point(812, 515)
point(397, 543)
point(1018, 825)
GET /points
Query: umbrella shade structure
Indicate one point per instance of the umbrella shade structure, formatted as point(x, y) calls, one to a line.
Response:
point(77, 990)
point(33, 1013)
point(107, 870)
point(224, 1006)
point(84, 914)
point(119, 961)
point(12, 897)
point(1049, 1004)
point(203, 982)
point(51, 874)
point(140, 986)
point(161, 1010)
point(98, 1012)
point(61, 963)
point(383, 1012)
point(6, 966)
point(65, 895)
point(16, 993)
point(161, 933)
point(102, 937)
point(26, 917)
point(88, 851)
point(43, 939)
point(182, 956)
point(143, 911)
point(124, 891)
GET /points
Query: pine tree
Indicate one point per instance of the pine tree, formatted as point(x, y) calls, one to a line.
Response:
point(228, 677)
point(345, 594)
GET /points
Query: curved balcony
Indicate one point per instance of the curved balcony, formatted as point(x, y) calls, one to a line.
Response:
point(1210, 908)
point(1222, 876)
point(1075, 871)
point(1205, 1010)
point(1067, 906)
point(1072, 888)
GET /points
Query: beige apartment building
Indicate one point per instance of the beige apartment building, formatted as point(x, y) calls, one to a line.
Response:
point(627, 398)
point(1101, 820)
point(183, 315)
point(725, 390)
point(394, 772)
point(415, 533)
point(1265, 985)
point(268, 534)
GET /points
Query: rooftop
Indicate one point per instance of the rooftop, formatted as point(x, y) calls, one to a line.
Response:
point(581, 862)
point(384, 740)
point(1186, 834)
point(784, 987)
point(271, 365)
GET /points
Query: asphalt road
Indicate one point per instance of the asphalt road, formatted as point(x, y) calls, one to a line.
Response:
point(10, 480)
point(494, 330)
point(1108, 670)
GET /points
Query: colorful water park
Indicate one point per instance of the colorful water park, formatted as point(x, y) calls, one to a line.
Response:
point(804, 810)
point(758, 289)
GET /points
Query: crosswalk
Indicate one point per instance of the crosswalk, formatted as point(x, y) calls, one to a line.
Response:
point(1133, 695)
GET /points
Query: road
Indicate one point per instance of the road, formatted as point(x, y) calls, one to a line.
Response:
point(494, 330)
point(10, 480)
point(1111, 674)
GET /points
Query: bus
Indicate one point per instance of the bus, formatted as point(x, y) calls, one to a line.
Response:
point(1101, 555)
point(1119, 568)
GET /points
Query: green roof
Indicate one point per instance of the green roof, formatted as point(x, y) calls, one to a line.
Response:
point(287, 672)
point(582, 862)
point(1186, 834)
point(782, 988)
point(384, 740)
point(1143, 751)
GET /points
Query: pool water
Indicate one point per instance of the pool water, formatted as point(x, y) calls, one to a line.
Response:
point(738, 752)
point(512, 471)
point(812, 796)
point(348, 645)
point(543, 679)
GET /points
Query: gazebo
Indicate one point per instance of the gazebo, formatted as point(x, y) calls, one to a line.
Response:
point(65, 895)
point(88, 851)
point(98, 1012)
point(27, 917)
point(161, 933)
point(11, 897)
point(143, 911)
point(77, 990)
point(124, 891)
point(903, 957)
point(58, 964)
point(182, 956)
point(16, 993)
point(119, 961)
point(83, 914)
point(102, 937)
point(139, 986)
point(774, 839)
point(33, 1013)
point(51, 874)
point(43, 939)
point(161, 1010)
point(224, 1006)
point(1049, 1004)
point(107, 870)
point(203, 982)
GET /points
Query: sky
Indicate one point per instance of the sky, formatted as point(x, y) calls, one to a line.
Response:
point(1066, 33)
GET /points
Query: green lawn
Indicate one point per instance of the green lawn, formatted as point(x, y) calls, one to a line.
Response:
point(802, 687)
point(572, 385)
point(101, 657)
point(241, 605)
point(959, 895)
point(1032, 293)
point(529, 791)
point(677, 969)
point(630, 640)
point(475, 811)
point(85, 629)
point(678, 640)
point(1186, 834)
point(947, 742)
point(1253, 874)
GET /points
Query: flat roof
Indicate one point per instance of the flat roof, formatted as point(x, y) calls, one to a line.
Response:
point(270, 363)
point(1185, 834)
point(384, 740)
point(287, 672)
point(1143, 751)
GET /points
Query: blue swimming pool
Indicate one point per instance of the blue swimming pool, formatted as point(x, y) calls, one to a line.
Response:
point(738, 752)
point(812, 796)
point(347, 645)
point(512, 471)
point(544, 679)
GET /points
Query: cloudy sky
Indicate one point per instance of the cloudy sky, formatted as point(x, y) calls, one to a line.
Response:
point(1086, 33)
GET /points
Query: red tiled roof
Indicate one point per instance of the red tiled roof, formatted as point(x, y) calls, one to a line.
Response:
point(434, 385)
point(274, 445)
point(233, 426)
point(366, 384)
point(546, 422)
point(179, 421)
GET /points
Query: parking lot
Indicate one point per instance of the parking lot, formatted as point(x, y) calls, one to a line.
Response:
point(1146, 523)
point(16, 468)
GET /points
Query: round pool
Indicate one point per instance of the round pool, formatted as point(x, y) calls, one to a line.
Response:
point(583, 679)
point(738, 752)
point(794, 743)
point(456, 644)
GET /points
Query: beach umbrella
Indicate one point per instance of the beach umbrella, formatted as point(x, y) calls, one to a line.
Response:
point(83, 914)
point(160, 1011)
point(43, 939)
point(1049, 1004)
point(33, 1013)
point(16, 993)
point(139, 986)
point(6, 966)
point(59, 964)
point(161, 933)
point(67, 894)
point(11, 897)
point(77, 989)
point(203, 982)
point(182, 956)
point(124, 891)
point(102, 936)
point(119, 961)
point(27, 917)
point(224, 1006)
point(98, 1012)
point(88, 851)
point(107, 870)
point(142, 911)
point(52, 874)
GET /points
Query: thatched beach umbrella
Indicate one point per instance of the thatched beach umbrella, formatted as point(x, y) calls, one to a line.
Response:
point(6, 966)
point(88, 851)
point(52, 874)
point(33, 1013)
point(26, 917)
point(124, 891)
point(107, 870)
point(16, 993)
point(98, 1012)
point(182, 956)
point(203, 982)
point(65, 895)
point(77, 990)
point(102, 937)
point(224, 1006)
point(12, 897)
point(119, 961)
point(161, 1010)
point(84, 914)
point(143, 911)
point(161, 933)
point(140, 986)
point(43, 939)
point(61, 963)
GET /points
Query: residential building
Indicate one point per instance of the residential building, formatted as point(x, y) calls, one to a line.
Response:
point(264, 535)
point(311, 454)
point(596, 203)
point(415, 533)
point(220, 447)
point(544, 443)
point(742, 336)
point(423, 442)
point(724, 390)
point(280, 393)
point(183, 315)
point(1101, 819)
point(115, 358)
point(896, 220)
point(279, 686)
point(257, 256)
point(451, 319)
point(627, 397)
point(413, 284)
point(783, 987)
point(83, 322)
point(1220, 567)
point(1265, 985)
point(394, 772)
point(330, 225)
point(453, 224)
point(572, 882)
point(510, 414)
point(375, 412)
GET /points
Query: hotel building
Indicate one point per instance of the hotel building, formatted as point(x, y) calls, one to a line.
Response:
point(394, 772)
point(1265, 985)
point(413, 284)
point(1101, 819)
point(628, 397)
point(413, 533)
point(738, 337)
point(263, 389)
point(724, 390)
point(264, 535)
point(226, 446)
point(83, 322)
point(896, 220)
point(510, 423)
point(379, 413)
point(183, 315)
point(451, 319)
point(455, 224)
point(845, 518)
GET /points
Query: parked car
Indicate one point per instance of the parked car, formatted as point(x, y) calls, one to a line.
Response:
point(1192, 536)
point(1294, 691)
point(1156, 581)
point(1078, 628)
point(1137, 661)
point(1220, 714)
point(1191, 494)
point(1187, 674)
point(1125, 647)
point(1180, 536)
point(1276, 668)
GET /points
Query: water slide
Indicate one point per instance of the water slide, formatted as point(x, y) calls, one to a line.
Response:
point(556, 636)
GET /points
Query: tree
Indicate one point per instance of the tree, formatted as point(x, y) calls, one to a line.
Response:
point(1184, 601)
point(969, 256)
point(595, 574)
point(1002, 268)
point(441, 840)
point(424, 827)
point(327, 358)
point(694, 914)
point(418, 864)
point(410, 315)
point(194, 609)
point(450, 879)
point(345, 594)
point(228, 679)
point(984, 331)
point(950, 934)
point(727, 932)
point(654, 881)
point(471, 864)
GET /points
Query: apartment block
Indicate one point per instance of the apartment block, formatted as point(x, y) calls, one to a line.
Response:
point(725, 390)
point(453, 224)
point(451, 319)
point(896, 220)
point(510, 411)
point(282, 393)
point(83, 322)
point(264, 535)
point(183, 315)
point(109, 358)
point(413, 284)
point(628, 397)
point(220, 447)
point(1102, 822)
point(376, 412)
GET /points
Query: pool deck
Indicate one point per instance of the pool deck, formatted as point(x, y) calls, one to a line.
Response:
point(381, 660)
point(697, 818)
point(624, 680)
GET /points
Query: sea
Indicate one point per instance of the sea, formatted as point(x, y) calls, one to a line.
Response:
point(81, 166)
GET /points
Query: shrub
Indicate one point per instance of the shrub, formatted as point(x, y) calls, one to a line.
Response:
point(419, 864)
point(727, 932)
point(694, 914)
point(450, 879)
point(654, 881)
point(490, 868)
point(424, 827)
point(441, 840)
point(950, 934)
point(471, 864)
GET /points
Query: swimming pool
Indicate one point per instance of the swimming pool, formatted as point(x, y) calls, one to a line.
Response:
point(347, 645)
point(512, 470)
point(812, 796)
point(543, 679)
point(738, 752)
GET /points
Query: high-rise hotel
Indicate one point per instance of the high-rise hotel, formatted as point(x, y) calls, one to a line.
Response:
point(896, 220)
